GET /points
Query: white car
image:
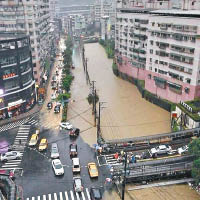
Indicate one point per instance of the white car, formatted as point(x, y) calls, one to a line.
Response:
point(57, 167)
point(12, 155)
point(53, 96)
point(65, 125)
point(162, 149)
point(78, 184)
point(183, 149)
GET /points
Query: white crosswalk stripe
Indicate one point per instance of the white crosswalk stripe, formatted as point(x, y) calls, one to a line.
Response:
point(66, 195)
point(29, 120)
point(19, 145)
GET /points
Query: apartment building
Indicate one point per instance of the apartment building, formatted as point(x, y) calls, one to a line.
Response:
point(30, 17)
point(172, 61)
point(160, 47)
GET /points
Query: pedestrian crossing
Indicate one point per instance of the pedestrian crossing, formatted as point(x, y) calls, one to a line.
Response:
point(66, 195)
point(18, 145)
point(29, 120)
point(108, 160)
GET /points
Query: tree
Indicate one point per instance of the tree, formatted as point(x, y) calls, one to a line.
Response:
point(66, 82)
point(194, 149)
point(62, 97)
point(91, 97)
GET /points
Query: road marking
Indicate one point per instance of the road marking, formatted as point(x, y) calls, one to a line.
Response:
point(72, 196)
point(83, 196)
point(49, 196)
point(77, 196)
point(55, 196)
point(88, 194)
point(44, 197)
point(66, 196)
point(38, 197)
point(33, 198)
point(61, 196)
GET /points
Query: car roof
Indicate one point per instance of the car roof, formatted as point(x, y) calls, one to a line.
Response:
point(34, 136)
point(43, 140)
point(162, 146)
point(54, 145)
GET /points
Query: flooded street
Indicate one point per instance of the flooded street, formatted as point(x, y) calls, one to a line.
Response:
point(125, 114)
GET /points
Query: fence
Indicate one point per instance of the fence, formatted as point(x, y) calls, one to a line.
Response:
point(145, 94)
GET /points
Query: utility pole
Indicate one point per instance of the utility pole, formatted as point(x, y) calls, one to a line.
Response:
point(93, 100)
point(124, 179)
point(95, 109)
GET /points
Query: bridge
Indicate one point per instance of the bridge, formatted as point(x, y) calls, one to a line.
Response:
point(137, 143)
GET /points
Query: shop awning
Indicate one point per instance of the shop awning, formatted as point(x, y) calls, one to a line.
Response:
point(16, 103)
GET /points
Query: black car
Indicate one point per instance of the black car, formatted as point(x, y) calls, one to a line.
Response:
point(50, 105)
point(73, 150)
point(57, 109)
point(74, 132)
point(95, 193)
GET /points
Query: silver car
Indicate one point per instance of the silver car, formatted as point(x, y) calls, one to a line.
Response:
point(54, 151)
point(78, 184)
point(12, 155)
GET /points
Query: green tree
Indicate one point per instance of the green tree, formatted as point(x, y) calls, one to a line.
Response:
point(66, 82)
point(194, 149)
point(63, 97)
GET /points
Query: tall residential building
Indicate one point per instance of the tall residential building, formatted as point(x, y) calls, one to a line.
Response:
point(17, 85)
point(30, 17)
point(162, 48)
point(173, 62)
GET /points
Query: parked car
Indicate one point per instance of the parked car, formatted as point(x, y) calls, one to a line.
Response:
point(43, 144)
point(73, 150)
point(183, 149)
point(92, 169)
point(11, 155)
point(34, 139)
point(54, 78)
point(95, 193)
point(57, 167)
point(78, 184)
point(53, 96)
point(50, 105)
point(162, 149)
point(57, 109)
point(65, 125)
point(74, 132)
point(54, 151)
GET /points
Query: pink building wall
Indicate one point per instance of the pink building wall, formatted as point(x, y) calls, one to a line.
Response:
point(167, 93)
point(141, 74)
point(130, 70)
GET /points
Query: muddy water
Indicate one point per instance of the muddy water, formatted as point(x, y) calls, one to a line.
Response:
point(125, 114)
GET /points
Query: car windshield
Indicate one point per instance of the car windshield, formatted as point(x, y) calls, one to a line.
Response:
point(54, 151)
point(96, 193)
point(78, 182)
point(58, 166)
point(93, 170)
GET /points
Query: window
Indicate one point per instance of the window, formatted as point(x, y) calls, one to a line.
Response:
point(188, 80)
point(35, 72)
point(11, 71)
point(26, 78)
point(150, 59)
point(151, 42)
point(11, 83)
point(149, 76)
point(155, 69)
point(8, 60)
point(151, 51)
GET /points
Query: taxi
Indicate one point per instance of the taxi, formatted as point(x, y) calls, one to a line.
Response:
point(43, 144)
point(33, 141)
point(92, 169)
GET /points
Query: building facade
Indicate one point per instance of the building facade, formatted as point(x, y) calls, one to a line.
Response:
point(160, 47)
point(30, 17)
point(17, 85)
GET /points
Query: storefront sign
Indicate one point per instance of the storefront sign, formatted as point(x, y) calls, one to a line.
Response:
point(9, 75)
point(15, 103)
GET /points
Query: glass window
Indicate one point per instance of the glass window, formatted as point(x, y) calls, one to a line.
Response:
point(26, 78)
point(8, 60)
point(9, 72)
point(11, 83)
point(25, 67)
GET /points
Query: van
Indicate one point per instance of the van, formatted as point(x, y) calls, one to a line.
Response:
point(76, 165)
point(54, 151)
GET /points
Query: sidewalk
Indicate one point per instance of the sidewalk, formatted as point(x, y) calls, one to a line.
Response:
point(22, 116)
